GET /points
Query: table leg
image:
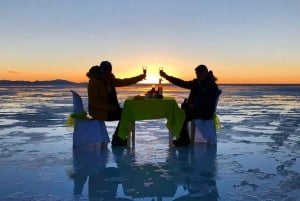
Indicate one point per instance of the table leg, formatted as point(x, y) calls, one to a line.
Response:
point(171, 140)
point(129, 140)
point(131, 136)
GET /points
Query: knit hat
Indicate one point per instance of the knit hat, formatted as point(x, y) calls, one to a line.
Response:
point(201, 68)
point(105, 66)
point(94, 70)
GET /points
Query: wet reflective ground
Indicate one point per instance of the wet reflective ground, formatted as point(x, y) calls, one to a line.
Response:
point(257, 156)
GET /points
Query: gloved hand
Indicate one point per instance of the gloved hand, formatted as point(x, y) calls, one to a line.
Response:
point(162, 73)
point(144, 75)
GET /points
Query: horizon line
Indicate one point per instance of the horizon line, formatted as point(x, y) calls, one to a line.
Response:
point(238, 83)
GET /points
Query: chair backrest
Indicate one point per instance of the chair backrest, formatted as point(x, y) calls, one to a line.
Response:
point(77, 103)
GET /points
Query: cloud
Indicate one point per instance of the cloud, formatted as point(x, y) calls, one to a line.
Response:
point(13, 72)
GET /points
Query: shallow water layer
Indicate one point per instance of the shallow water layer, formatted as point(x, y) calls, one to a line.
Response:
point(257, 156)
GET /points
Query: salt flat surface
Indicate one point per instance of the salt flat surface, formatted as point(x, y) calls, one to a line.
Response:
point(257, 156)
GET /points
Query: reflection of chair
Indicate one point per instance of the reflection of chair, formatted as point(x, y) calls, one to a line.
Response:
point(86, 131)
point(86, 162)
point(204, 130)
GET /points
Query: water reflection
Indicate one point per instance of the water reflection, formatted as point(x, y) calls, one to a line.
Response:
point(187, 174)
point(195, 169)
point(89, 166)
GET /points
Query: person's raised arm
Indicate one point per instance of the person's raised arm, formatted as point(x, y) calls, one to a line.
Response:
point(128, 81)
point(176, 81)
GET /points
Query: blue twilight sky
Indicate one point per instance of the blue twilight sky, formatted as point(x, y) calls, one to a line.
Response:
point(242, 41)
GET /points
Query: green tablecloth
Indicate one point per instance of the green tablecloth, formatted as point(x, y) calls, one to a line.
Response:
point(151, 108)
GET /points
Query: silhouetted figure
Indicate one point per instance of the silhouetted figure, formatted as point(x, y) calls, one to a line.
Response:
point(102, 96)
point(201, 102)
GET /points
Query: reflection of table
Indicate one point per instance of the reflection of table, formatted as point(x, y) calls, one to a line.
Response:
point(150, 108)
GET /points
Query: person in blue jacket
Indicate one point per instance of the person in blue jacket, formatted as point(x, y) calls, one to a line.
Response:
point(201, 102)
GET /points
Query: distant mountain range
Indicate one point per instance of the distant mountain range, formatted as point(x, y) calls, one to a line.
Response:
point(48, 82)
point(66, 82)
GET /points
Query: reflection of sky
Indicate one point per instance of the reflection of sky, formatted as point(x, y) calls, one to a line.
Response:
point(257, 129)
point(257, 149)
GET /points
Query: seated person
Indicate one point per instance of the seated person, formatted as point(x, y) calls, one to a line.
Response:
point(103, 102)
point(201, 103)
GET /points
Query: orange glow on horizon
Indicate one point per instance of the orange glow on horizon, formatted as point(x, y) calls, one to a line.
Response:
point(154, 79)
point(257, 75)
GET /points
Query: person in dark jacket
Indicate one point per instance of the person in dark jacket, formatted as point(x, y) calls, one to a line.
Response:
point(201, 102)
point(103, 102)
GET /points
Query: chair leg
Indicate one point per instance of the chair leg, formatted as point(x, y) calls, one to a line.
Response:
point(133, 134)
point(193, 132)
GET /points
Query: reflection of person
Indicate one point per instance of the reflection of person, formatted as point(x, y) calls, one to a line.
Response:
point(102, 97)
point(196, 171)
point(142, 180)
point(201, 103)
point(102, 186)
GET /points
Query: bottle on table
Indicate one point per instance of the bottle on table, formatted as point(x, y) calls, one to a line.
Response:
point(160, 89)
point(153, 91)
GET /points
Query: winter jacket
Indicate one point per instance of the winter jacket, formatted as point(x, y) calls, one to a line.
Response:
point(102, 96)
point(203, 94)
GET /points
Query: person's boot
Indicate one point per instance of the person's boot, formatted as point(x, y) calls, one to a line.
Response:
point(184, 139)
point(117, 141)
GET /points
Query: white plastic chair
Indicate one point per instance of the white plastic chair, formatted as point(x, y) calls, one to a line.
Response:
point(204, 130)
point(87, 132)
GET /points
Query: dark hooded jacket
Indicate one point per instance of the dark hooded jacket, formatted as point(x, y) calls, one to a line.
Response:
point(203, 94)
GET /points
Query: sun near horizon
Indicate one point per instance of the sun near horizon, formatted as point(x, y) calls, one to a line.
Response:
point(250, 42)
point(151, 79)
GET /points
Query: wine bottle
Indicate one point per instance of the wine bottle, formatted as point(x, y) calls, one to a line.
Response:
point(160, 89)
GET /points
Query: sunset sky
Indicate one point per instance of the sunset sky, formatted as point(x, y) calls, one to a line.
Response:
point(255, 41)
